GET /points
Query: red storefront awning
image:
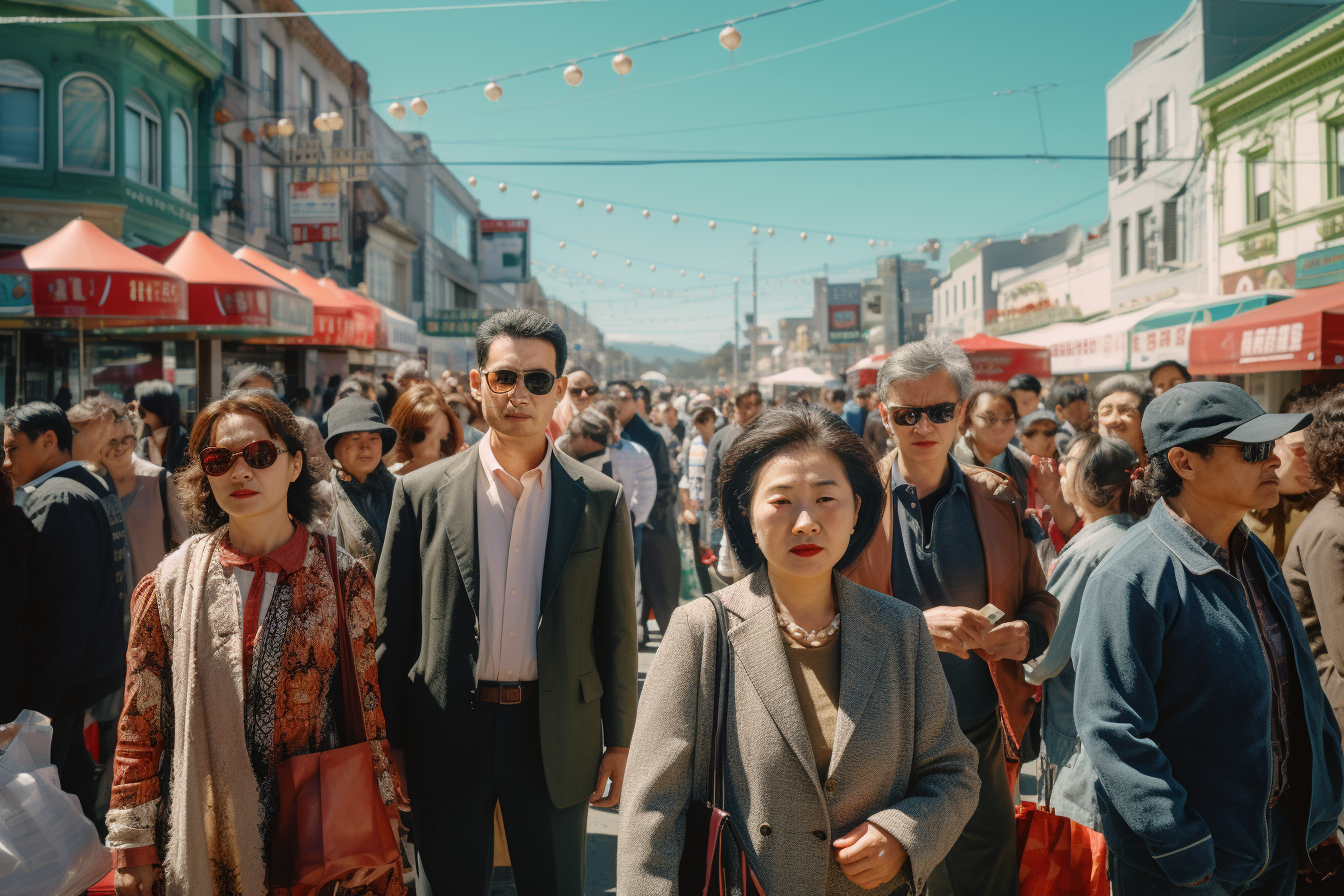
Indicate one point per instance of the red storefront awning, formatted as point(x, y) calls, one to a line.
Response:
point(368, 310)
point(80, 272)
point(229, 296)
point(1305, 332)
point(338, 322)
point(999, 359)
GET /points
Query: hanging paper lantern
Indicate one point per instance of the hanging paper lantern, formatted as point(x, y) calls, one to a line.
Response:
point(627, 262)
point(419, 106)
point(755, 229)
point(601, 283)
point(321, 123)
point(472, 180)
point(676, 218)
point(573, 76)
point(608, 208)
point(702, 275)
point(712, 225)
point(621, 64)
point(769, 231)
point(397, 111)
point(503, 187)
point(562, 244)
point(493, 92)
point(335, 120)
point(730, 38)
point(653, 267)
point(579, 203)
point(683, 272)
point(830, 238)
point(286, 127)
point(872, 242)
point(803, 235)
point(594, 253)
point(536, 194)
point(645, 213)
point(736, 279)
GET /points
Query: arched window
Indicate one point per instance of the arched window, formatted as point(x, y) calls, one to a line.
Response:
point(142, 141)
point(20, 114)
point(179, 155)
point(86, 124)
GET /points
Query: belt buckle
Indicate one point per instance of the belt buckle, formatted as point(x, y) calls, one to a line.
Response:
point(510, 694)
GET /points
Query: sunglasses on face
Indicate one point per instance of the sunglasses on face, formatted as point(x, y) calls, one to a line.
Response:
point(576, 391)
point(937, 413)
point(258, 455)
point(1037, 433)
point(538, 382)
point(1251, 452)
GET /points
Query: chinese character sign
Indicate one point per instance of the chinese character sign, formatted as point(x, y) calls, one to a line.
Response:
point(314, 212)
point(842, 312)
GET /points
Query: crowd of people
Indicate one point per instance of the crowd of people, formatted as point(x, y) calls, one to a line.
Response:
point(1135, 586)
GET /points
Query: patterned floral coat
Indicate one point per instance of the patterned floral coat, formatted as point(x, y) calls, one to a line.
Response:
point(290, 706)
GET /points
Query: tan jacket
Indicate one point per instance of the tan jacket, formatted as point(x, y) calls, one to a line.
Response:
point(1016, 581)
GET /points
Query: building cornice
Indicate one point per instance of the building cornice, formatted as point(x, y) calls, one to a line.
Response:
point(302, 29)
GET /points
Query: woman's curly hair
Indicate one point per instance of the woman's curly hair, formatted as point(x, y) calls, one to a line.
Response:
point(1324, 440)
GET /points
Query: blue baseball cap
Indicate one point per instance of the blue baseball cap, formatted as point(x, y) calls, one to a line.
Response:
point(1200, 411)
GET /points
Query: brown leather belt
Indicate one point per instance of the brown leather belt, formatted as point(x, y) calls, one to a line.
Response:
point(507, 692)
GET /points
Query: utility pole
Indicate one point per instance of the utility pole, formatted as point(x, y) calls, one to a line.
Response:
point(755, 315)
point(893, 323)
point(900, 303)
point(737, 334)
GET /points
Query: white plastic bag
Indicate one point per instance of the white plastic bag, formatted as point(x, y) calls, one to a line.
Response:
point(47, 846)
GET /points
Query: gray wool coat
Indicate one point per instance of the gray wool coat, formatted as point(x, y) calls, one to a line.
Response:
point(899, 760)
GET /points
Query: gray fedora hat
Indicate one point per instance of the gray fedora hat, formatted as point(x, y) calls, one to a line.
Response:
point(355, 414)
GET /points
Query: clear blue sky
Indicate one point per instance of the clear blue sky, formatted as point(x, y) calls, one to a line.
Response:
point(942, 65)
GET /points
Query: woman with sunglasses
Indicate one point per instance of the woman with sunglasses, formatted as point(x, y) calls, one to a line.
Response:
point(232, 664)
point(427, 429)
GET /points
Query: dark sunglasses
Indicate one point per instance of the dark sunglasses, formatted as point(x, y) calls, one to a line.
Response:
point(258, 455)
point(577, 391)
point(937, 413)
point(538, 382)
point(1036, 433)
point(1251, 452)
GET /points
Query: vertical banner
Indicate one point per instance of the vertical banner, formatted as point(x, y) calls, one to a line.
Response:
point(503, 250)
point(842, 312)
point(315, 212)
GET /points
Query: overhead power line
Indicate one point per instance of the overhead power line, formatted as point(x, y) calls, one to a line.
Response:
point(285, 14)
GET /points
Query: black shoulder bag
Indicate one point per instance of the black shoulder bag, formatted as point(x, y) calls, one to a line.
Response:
point(713, 860)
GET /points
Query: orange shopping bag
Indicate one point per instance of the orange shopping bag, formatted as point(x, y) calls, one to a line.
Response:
point(1057, 856)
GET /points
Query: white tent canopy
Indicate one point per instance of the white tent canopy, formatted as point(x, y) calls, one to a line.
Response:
point(798, 376)
point(653, 375)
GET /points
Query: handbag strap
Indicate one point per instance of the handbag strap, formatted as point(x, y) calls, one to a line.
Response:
point(722, 675)
point(163, 502)
point(352, 716)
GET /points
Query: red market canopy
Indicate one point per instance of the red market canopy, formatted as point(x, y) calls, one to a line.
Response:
point(999, 359)
point(337, 321)
point(367, 308)
point(1305, 332)
point(80, 272)
point(872, 362)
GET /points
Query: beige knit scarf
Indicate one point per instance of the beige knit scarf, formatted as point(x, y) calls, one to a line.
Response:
point(214, 843)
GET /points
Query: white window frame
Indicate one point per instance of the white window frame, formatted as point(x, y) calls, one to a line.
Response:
point(1164, 121)
point(111, 126)
point(180, 192)
point(138, 103)
point(308, 105)
point(40, 85)
point(272, 98)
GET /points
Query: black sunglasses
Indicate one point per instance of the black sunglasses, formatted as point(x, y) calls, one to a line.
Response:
point(1251, 452)
point(258, 455)
point(576, 391)
point(538, 382)
point(937, 413)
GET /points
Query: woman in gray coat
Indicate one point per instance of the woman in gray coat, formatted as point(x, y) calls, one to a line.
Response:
point(846, 769)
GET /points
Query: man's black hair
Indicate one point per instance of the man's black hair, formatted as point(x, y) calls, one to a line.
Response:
point(1025, 382)
point(1160, 480)
point(1184, 371)
point(1066, 394)
point(160, 399)
point(521, 323)
point(37, 418)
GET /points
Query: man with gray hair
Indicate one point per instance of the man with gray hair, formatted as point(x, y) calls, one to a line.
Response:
point(954, 546)
point(410, 372)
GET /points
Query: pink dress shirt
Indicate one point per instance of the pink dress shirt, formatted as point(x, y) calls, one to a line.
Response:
point(512, 519)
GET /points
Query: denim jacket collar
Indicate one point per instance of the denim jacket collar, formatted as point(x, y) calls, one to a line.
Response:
point(900, 487)
point(1184, 541)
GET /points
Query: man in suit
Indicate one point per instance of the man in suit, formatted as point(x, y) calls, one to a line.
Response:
point(506, 633)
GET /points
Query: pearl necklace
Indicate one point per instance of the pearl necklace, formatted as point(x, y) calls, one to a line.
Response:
point(801, 636)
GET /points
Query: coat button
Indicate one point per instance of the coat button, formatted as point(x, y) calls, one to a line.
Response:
point(820, 835)
point(832, 786)
point(765, 830)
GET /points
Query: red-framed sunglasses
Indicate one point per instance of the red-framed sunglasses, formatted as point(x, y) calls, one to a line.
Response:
point(258, 455)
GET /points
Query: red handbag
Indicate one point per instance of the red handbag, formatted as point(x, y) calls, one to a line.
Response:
point(331, 823)
point(1057, 856)
point(713, 860)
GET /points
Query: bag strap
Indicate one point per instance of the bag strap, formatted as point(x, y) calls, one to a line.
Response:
point(163, 501)
point(722, 675)
point(352, 717)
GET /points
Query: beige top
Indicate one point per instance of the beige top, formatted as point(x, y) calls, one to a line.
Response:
point(816, 677)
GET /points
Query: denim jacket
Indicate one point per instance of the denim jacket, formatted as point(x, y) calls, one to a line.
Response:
point(1172, 702)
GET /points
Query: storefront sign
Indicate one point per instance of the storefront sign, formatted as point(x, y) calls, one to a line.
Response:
point(1171, 343)
point(502, 250)
point(397, 333)
point(1320, 268)
point(314, 212)
point(453, 322)
point(278, 312)
point(1278, 343)
point(80, 294)
point(843, 301)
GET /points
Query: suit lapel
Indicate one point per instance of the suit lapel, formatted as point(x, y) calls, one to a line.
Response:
point(862, 654)
point(569, 497)
point(759, 650)
point(457, 511)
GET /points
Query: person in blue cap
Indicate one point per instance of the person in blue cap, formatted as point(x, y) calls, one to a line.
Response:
point(1217, 754)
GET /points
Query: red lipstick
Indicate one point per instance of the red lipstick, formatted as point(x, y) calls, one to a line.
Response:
point(806, 550)
point(242, 493)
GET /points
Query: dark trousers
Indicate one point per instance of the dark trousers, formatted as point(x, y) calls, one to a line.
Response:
point(659, 577)
point(71, 757)
point(983, 861)
point(455, 842)
point(1279, 879)
point(701, 571)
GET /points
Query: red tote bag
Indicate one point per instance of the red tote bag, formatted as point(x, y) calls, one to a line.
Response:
point(1057, 856)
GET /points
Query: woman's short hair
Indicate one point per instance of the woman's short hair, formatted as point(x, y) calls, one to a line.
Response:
point(160, 399)
point(202, 511)
point(916, 360)
point(1324, 440)
point(1124, 382)
point(593, 425)
point(989, 387)
point(96, 408)
point(245, 373)
point(780, 429)
point(412, 413)
point(1103, 470)
point(1180, 368)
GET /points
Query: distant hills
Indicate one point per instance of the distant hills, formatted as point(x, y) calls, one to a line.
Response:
point(647, 352)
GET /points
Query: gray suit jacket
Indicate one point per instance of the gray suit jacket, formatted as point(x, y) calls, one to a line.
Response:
point(429, 637)
point(899, 760)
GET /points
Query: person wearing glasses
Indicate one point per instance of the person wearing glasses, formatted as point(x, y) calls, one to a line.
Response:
point(232, 664)
point(1121, 401)
point(952, 542)
point(426, 427)
point(580, 394)
point(1197, 696)
point(507, 644)
point(1299, 492)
